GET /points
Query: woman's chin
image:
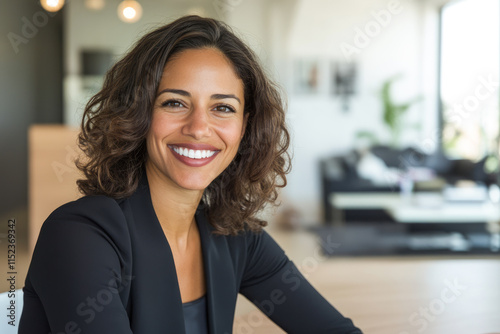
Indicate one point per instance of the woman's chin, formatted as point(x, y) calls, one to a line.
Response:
point(194, 184)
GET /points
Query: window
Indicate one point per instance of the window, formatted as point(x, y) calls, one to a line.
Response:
point(469, 75)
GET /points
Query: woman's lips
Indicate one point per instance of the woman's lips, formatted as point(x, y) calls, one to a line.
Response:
point(194, 155)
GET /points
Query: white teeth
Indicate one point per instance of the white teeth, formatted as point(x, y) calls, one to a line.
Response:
point(193, 154)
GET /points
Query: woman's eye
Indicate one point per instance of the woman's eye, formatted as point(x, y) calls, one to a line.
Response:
point(224, 109)
point(172, 104)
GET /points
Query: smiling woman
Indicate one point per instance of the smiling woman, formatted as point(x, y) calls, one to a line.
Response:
point(185, 143)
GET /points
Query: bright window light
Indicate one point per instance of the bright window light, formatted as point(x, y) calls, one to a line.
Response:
point(470, 57)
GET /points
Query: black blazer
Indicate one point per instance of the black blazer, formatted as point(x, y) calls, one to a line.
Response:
point(104, 266)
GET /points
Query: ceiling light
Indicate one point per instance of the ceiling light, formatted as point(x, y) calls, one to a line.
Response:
point(52, 5)
point(129, 11)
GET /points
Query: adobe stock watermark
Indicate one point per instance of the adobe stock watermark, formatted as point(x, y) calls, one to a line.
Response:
point(30, 27)
point(222, 7)
point(60, 169)
point(93, 305)
point(291, 280)
point(437, 306)
point(487, 88)
point(363, 36)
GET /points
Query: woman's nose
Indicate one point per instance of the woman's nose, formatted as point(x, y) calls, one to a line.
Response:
point(197, 124)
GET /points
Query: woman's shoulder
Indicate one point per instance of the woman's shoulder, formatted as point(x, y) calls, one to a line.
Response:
point(87, 203)
point(96, 211)
point(97, 222)
point(88, 207)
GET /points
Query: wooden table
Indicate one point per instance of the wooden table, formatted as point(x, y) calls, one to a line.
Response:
point(394, 295)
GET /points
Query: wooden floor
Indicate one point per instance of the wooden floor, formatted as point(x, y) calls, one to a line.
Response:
point(400, 295)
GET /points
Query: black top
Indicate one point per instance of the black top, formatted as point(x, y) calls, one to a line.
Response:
point(195, 316)
point(104, 266)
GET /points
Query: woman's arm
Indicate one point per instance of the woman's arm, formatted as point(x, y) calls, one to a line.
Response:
point(75, 277)
point(274, 284)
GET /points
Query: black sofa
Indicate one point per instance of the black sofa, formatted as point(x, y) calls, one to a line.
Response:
point(339, 174)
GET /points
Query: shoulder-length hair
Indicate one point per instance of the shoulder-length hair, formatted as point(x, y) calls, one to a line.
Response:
point(117, 120)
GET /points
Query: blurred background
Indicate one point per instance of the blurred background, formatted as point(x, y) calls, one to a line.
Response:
point(393, 108)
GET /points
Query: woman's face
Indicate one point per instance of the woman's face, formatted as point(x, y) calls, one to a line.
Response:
point(198, 119)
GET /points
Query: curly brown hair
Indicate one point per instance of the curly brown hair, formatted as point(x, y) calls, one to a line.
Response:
point(117, 120)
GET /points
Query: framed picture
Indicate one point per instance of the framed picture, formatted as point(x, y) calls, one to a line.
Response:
point(343, 80)
point(306, 76)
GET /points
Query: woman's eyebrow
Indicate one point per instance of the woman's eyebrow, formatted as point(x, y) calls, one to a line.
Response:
point(225, 96)
point(175, 91)
point(187, 94)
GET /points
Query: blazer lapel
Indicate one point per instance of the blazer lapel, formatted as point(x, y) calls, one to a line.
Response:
point(219, 277)
point(155, 295)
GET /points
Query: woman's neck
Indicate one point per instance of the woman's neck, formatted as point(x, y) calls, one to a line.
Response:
point(174, 206)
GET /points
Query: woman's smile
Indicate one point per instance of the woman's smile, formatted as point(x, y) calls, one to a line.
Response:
point(194, 155)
